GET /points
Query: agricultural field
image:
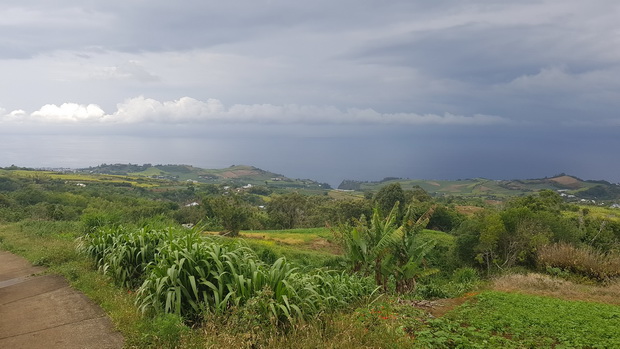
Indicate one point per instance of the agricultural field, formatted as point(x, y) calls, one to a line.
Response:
point(514, 320)
point(606, 213)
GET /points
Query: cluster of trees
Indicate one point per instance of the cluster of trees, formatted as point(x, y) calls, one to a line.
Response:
point(294, 210)
point(512, 236)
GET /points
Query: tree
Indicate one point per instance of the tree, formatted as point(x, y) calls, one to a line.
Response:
point(232, 212)
point(546, 200)
point(503, 239)
point(287, 211)
point(417, 193)
point(388, 196)
point(346, 211)
point(445, 219)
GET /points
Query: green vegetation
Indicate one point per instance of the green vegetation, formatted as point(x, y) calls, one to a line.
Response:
point(271, 265)
point(187, 274)
point(389, 250)
point(512, 320)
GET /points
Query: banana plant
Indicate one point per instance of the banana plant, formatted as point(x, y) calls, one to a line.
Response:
point(383, 248)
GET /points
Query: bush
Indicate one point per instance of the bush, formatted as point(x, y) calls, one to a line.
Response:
point(166, 331)
point(461, 281)
point(466, 275)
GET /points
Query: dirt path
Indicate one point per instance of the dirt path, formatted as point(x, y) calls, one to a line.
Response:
point(439, 307)
point(43, 311)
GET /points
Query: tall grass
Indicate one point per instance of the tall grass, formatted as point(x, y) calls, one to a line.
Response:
point(192, 276)
point(546, 285)
point(584, 261)
point(123, 254)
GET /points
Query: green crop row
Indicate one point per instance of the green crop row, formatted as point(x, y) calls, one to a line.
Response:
point(190, 275)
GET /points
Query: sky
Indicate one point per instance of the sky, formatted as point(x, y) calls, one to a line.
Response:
point(326, 90)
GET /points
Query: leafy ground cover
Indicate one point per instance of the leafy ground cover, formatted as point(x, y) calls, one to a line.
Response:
point(514, 320)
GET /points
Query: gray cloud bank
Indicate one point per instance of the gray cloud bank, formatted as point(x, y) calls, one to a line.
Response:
point(469, 82)
point(556, 60)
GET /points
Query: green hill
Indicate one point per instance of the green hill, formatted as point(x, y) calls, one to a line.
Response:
point(572, 188)
point(234, 175)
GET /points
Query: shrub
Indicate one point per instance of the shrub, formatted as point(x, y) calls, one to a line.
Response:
point(579, 260)
point(165, 331)
point(466, 275)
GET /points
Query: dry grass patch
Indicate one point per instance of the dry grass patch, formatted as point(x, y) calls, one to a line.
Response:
point(584, 261)
point(544, 285)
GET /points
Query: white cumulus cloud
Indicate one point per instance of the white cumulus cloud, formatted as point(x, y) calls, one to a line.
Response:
point(188, 110)
point(68, 112)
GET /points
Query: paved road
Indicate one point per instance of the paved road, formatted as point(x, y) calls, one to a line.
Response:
point(43, 311)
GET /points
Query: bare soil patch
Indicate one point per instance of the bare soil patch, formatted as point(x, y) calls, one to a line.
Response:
point(439, 307)
point(484, 188)
point(566, 181)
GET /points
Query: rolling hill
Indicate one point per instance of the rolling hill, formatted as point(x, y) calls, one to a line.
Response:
point(234, 175)
point(572, 188)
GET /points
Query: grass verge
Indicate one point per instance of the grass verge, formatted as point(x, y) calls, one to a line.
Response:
point(52, 244)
